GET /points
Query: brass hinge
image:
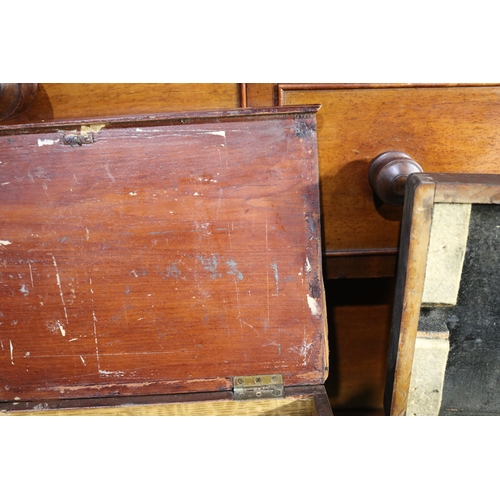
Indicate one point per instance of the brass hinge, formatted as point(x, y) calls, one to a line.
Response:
point(258, 387)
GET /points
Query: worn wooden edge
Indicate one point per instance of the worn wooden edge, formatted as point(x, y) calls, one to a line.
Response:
point(415, 233)
point(290, 87)
point(314, 248)
point(162, 118)
point(318, 393)
point(321, 406)
point(360, 252)
point(467, 188)
point(57, 404)
point(243, 94)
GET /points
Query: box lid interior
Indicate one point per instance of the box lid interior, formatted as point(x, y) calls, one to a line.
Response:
point(157, 255)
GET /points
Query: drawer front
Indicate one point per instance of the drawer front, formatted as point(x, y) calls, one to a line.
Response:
point(85, 100)
point(445, 129)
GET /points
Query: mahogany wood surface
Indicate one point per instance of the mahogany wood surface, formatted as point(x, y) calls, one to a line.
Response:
point(82, 100)
point(444, 129)
point(449, 128)
point(16, 98)
point(164, 255)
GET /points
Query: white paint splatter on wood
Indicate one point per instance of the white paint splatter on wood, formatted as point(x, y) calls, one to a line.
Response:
point(222, 133)
point(109, 174)
point(11, 352)
point(83, 361)
point(4, 243)
point(60, 288)
point(31, 274)
point(107, 374)
point(61, 329)
point(304, 350)
point(46, 142)
point(95, 328)
point(313, 305)
point(95, 340)
point(308, 265)
point(274, 267)
point(249, 325)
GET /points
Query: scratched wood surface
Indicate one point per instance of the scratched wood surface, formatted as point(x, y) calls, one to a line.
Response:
point(164, 255)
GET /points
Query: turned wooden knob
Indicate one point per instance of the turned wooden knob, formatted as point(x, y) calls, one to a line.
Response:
point(16, 98)
point(388, 173)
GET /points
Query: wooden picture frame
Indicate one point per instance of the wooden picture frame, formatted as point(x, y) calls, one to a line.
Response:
point(448, 253)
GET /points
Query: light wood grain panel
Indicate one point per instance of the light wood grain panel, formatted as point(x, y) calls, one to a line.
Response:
point(445, 129)
point(84, 100)
point(300, 401)
point(261, 94)
point(268, 407)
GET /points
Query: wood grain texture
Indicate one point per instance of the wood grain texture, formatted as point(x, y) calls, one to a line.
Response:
point(415, 234)
point(162, 257)
point(80, 100)
point(298, 401)
point(270, 407)
point(262, 94)
point(283, 88)
point(16, 98)
point(445, 129)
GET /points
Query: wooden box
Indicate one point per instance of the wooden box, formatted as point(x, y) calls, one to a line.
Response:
point(164, 265)
point(445, 344)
